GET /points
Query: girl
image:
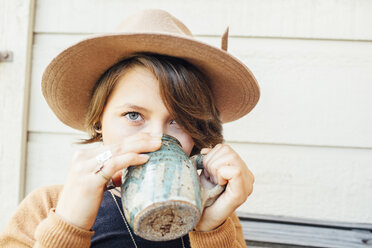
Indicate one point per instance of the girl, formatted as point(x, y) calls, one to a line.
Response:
point(126, 90)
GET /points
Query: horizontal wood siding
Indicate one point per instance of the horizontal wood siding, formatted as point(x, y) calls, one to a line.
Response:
point(308, 141)
point(309, 182)
point(15, 18)
point(268, 231)
point(314, 19)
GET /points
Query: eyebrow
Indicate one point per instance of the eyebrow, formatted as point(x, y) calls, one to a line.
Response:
point(134, 107)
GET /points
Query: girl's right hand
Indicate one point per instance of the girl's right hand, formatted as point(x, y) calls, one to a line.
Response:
point(83, 190)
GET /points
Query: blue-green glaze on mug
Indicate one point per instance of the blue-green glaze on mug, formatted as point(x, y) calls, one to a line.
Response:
point(163, 199)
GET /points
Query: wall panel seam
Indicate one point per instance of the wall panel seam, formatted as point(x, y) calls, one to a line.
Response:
point(219, 36)
point(26, 100)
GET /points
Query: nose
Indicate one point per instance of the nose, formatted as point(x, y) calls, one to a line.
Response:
point(155, 128)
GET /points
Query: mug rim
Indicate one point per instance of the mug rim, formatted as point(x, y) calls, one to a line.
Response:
point(167, 137)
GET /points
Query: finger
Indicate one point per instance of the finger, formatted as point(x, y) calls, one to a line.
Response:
point(220, 151)
point(240, 185)
point(118, 163)
point(214, 173)
point(223, 151)
point(205, 151)
point(137, 145)
point(140, 143)
point(205, 173)
point(211, 153)
point(208, 158)
point(220, 177)
point(215, 163)
point(212, 179)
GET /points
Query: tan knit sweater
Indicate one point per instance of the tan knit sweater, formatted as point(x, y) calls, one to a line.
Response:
point(35, 224)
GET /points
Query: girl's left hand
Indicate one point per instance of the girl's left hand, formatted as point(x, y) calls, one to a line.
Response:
point(224, 166)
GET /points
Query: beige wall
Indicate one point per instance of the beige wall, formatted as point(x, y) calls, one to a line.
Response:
point(15, 36)
point(308, 141)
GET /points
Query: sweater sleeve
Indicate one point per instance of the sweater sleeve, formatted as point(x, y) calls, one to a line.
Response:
point(229, 234)
point(35, 224)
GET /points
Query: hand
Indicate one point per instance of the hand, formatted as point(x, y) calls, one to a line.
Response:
point(83, 191)
point(223, 166)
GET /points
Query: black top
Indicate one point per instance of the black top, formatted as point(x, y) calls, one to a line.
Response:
point(110, 230)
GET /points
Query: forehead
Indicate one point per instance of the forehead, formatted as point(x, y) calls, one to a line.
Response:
point(138, 85)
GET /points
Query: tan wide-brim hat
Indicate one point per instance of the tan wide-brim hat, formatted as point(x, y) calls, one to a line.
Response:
point(69, 79)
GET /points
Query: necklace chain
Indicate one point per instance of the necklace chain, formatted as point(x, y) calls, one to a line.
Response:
point(126, 224)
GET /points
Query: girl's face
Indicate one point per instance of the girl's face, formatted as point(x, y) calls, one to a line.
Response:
point(135, 106)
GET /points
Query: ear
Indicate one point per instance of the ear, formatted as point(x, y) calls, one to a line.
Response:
point(97, 126)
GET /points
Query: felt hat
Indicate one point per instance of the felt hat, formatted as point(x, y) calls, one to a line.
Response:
point(68, 81)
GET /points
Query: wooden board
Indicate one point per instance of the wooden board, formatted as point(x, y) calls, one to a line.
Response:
point(256, 244)
point(301, 221)
point(305, 235)
point(268, 232)
point(330, 19)
point(15, 18)
point(312, 92)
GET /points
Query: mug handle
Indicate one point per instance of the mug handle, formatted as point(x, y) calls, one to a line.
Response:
point(210, 190)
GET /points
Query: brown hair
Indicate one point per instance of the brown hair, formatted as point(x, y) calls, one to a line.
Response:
point(184, 90)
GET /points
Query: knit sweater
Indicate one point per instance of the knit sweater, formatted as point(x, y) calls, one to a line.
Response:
point(35, 224)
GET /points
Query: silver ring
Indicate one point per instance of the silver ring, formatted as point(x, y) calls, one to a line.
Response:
point(103, 157)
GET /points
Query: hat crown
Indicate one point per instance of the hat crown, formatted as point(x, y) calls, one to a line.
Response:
point(153, 21)
point(70, 78)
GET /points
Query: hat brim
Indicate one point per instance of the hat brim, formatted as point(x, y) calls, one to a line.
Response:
point(69, 79)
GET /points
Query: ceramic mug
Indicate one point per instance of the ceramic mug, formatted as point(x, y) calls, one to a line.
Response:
point(163, 199)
